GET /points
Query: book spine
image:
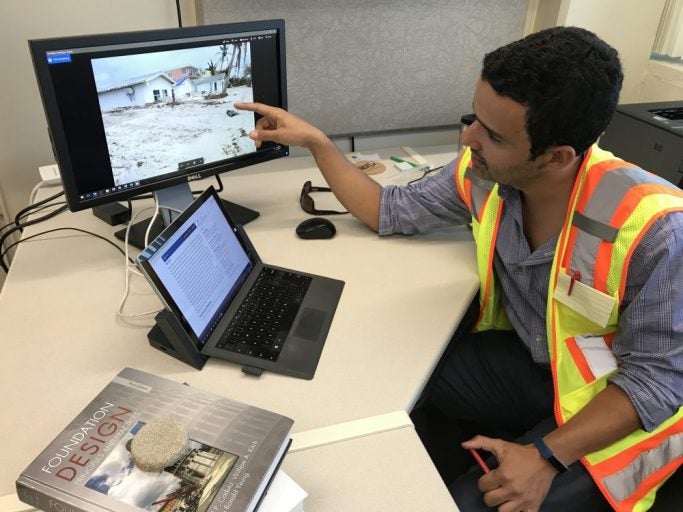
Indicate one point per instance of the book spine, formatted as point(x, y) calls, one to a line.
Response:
point(50, 499)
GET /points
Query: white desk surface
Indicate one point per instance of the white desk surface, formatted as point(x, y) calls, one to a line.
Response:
point(403, 298)
point(387, 472)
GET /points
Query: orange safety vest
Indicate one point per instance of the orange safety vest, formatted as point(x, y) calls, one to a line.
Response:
point(613, 204)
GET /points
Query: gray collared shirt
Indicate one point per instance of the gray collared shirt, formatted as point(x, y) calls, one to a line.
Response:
point(649, 342)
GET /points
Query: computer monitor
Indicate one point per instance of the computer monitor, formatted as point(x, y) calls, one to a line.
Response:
point(151, 111)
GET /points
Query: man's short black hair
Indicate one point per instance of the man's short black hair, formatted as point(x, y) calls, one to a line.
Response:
point(568, 78)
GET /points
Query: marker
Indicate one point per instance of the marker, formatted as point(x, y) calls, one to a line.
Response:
point(576, 276)
point(397, 159)
point(479, 460)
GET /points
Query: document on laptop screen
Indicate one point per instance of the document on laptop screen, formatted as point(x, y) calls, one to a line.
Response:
point(202, 266)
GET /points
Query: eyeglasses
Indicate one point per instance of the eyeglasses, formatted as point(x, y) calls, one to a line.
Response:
point(468, 119)
point(307, 203)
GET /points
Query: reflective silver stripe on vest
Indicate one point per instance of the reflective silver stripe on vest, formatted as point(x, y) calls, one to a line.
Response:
point(595, 228)
point(593, 223)
point(624, 483)
point(599, 357)
point(480, 190)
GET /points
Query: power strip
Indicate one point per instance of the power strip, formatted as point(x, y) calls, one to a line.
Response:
point(49, 174)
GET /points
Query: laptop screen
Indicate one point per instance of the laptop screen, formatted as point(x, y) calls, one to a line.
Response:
point(198, 265)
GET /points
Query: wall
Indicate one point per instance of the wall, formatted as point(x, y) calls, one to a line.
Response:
point(663, 82)
point(362, 66)
point(628, 25)
point(547, 12)
point(24, 143)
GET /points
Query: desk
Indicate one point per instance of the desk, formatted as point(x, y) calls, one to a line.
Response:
point(403, 298)
point(381, 472)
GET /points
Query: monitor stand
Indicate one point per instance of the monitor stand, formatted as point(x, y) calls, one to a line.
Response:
point(178, 197)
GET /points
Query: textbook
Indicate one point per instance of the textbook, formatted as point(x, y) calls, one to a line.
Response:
point(232, 453)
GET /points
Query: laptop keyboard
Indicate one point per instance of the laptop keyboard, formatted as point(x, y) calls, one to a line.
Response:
point(673, 114)
point(265, 317)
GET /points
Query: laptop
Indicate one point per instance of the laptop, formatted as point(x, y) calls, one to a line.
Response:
point(223, 301)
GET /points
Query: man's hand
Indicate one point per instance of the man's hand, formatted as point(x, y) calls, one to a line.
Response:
point(521, 480)
point(359, 193)
point(280, 126)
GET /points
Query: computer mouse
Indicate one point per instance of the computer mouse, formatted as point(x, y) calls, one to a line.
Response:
point(316, 228)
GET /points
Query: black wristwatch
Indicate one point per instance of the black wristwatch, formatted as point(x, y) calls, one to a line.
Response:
point(548, 455)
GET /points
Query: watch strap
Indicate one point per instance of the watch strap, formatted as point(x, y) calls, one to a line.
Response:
point(548, 455)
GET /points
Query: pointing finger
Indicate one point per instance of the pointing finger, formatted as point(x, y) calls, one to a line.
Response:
point(261, 108)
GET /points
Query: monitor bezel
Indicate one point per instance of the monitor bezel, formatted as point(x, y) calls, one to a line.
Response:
point(58, 138)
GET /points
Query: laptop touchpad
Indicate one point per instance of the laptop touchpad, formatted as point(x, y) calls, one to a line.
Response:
point(310, 324)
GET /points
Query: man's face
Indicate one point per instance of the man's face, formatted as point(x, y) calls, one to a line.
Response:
point(498, 139)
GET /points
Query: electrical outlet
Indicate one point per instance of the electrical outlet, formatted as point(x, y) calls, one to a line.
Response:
point(49, 174)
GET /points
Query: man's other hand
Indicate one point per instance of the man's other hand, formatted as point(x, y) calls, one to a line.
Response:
point(522, 479)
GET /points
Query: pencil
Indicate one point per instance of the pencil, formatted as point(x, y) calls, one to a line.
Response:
point(479, 460)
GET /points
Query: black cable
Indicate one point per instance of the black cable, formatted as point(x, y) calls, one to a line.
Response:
point(180, 18)
point(33, 206)
point(20, 227)
point(220, 183)
point(2, 255)
point(44, 207)
point(428, 171)
point(2, 228)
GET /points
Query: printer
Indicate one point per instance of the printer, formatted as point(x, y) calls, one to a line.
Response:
point(649, 135)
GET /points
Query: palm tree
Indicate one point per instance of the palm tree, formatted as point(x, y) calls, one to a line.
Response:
point(237, 58)
point(223, 55)
point(237, 51)
point(241, 56)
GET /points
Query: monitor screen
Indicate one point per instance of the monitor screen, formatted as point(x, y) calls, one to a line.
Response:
point(134, 112)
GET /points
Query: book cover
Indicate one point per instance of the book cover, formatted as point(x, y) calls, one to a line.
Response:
point(233, 452)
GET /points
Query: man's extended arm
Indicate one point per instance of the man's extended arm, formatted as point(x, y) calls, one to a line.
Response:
point(359, 193)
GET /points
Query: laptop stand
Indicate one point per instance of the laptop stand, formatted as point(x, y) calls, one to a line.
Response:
point(169, 337)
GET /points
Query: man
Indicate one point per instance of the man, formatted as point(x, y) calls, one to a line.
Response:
point(575, 365)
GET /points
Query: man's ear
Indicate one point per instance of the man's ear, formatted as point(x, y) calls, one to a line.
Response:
point(558, 156)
